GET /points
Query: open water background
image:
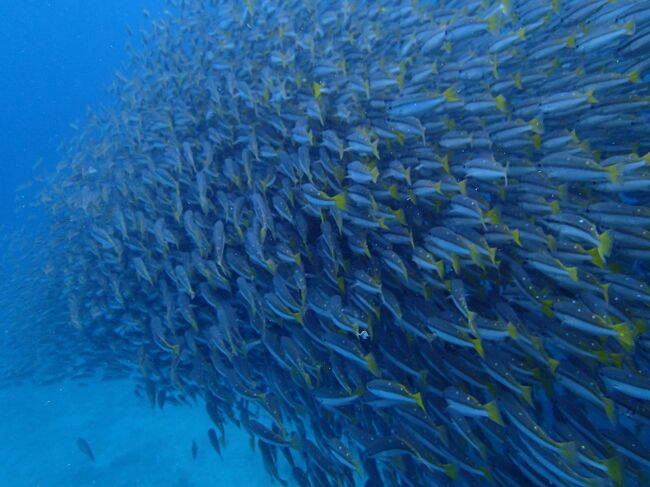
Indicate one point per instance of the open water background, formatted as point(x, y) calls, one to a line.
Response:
point(56, 60)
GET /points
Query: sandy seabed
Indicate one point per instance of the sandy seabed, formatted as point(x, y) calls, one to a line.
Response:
point(134, 445)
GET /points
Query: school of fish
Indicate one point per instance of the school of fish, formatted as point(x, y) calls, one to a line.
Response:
point(398, 242)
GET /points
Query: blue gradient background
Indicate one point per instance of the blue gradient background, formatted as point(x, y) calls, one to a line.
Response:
point(56, 59)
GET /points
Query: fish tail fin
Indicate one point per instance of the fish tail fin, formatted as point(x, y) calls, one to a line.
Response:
point(605, 288)
point(516, 235)
point(501, 103)
point(512, 331)
point(451, 471)
point(552, 365)
point(493, 412)
point(445, 163)
point(602, 356)
point(399, 216)
point(493, 254)
point(374, 174)
point(568, 452)
point(471, 316)
point(493, 216)
point(372, 365)
point(341, 201)
point(418, 399)
point(375, 149)
point(625, 335)
point(614, 470)
point(482, 451)
point(487, 473)
point(440, 268)
point(555, 207)
point(494, 23)
point(614, 173)
point(640, 325)
point(573, 273)
point(591, 98)
point(571, 41)
point(451, 94)
point(521, 34)
point(609, 409)
point(634, 76)
point(317, 90)
point(596, 257)
point(427, 292)
point(630, 27)
point(536, 125)
point(527, 394)
point(478, 346)
point(547, 308)
point(455, 263)
point(605, 243)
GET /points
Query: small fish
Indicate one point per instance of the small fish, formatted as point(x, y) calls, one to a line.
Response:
point(631, 384)
point(85, 448)
point(394, 391)
point(214, 441)
point(467, 405)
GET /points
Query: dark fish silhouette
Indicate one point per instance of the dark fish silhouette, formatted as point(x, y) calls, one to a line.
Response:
point(162, 398)
point(151, 392)
point(85, 447)
point(214, 441)
point(195, 449)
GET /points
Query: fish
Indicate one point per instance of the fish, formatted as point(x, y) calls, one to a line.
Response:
point(626, 382)
point(214, 441)
point(394, 392)
point(85, 448)
point(466, 405)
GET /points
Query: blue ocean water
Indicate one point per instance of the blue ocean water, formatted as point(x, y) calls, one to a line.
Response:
point(58, 58)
